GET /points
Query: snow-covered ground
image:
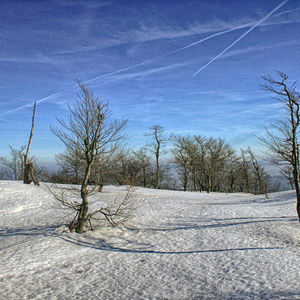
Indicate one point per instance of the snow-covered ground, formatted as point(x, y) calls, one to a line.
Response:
point(179, 245)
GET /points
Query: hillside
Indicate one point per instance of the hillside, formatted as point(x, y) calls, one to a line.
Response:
point(179, 245)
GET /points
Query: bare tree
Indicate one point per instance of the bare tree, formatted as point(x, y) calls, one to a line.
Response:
point(4, 174)
point(283, 146)
point(143, 161)
point(260, 176)
point(244, 173)
point(287, 172)
point(159, 140)
point(29, 169)
point(205, 163)
point(15, 163)
point(115, 210)
point(90, 128)
point(70, 161)
point(181, 158)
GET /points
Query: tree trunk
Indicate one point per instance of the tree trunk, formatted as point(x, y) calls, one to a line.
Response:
point(297, 188)
point(29, 172)
point(297, 183)
point(83, 214)
point(157, 171)
point(144, 177)
point(83, 217)
point(185, 181)
point(101, 186)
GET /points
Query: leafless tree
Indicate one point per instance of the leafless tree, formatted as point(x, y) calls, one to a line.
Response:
point(287, 172)
point(143, 161)
point(103, 171)
point(115, 210)
point(259, 175)
point(283, 145)
point(91, 129)
point(212, 165)
point(124, 168)
point(182, 159)
point(159, 141)
point(244, 170)
point(70, 161)
point(4, 173)
point(204, 163)
point(15, 163)
point(218, 153)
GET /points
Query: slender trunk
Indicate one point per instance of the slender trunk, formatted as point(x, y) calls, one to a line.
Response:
point(297, 179)
point(185, 180)
point(16, 170)
point(144, 177)
point(157, 170)
point(194, 180)
point(297, 188)
point(295, 153)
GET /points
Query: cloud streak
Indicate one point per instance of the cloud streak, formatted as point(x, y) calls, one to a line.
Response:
point(242, 36)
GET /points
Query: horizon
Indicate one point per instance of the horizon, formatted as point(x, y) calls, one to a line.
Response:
point(194, 67)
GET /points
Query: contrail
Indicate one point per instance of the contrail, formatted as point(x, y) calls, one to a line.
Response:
point(242, 36)
point(30, 104)
point(167, 54)
point(196, 43)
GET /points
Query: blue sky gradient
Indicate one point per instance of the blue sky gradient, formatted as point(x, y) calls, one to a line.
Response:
point(193, 67)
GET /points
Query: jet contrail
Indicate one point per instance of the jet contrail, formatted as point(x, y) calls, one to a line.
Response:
point(242, 36)
point(30, 104)
point(169, 53)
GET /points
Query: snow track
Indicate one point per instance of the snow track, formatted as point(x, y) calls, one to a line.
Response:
point(180, 245)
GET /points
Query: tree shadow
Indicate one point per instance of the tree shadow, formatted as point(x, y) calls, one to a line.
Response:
point(29, 231)
point(128, 246)
point(205, 223)
point(117, 243)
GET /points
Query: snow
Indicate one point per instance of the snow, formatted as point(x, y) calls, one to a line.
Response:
point(179, 245)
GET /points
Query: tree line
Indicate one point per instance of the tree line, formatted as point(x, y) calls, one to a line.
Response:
point(192, 163)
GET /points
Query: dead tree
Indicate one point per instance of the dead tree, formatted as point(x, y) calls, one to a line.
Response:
point(283, 147)
point(90, 128)
point(29, 169)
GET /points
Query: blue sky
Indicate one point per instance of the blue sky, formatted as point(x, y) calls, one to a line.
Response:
point(193, 67)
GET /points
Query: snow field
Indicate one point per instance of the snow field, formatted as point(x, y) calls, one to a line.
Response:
point(179, 245)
